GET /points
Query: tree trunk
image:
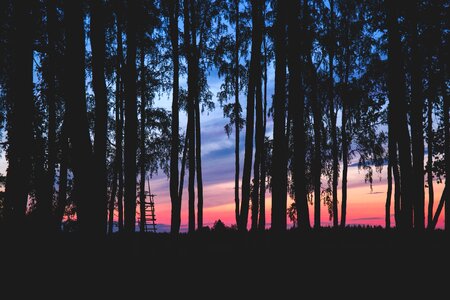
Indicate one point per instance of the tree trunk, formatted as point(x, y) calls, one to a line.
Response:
point(430, 137)
point(175, 200)
point(250, 112)
point(119, 116)
point(259, 134)
point(78, 126)
point(130, 120)
point(51, 102)
point(388, 197)
point(20, 132)
point(62, 184)
point(112, 200)
point(334, 146)
point(396, 89)
point(344, 164)
point(417, 103)
point(279, 161)
point(98, 12)
point(183, 168)
point(297, 98)
point(317, 116)
point(262, 185)
point(237, 112)
point(142, 160)
point(191, 114)
point(198, 155)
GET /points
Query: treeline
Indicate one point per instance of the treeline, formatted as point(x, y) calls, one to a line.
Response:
point(353, 80)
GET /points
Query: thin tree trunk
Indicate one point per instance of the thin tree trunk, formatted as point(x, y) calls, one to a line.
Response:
point(51, 102)
point(246, 174)
point(237, 114)
point(344, 164)
point(262, 185)
point(98, 12)
point(20, 116)
point(112, 200)
point(62, 184)
point(142, 160)
point(388, 197)
point(130, 120)
point(279, 161)
point(335, 146)
point(417, 103)
point(317, 116)
point(175, 200)
point(119, 117)
point(198, 155)
point(183, 168)
point(430, 137)
point(259, 135)
point(191, 115)
point(297, 98)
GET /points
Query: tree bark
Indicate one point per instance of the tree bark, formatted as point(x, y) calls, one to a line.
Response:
point(78, 126)
point(397, 89)
point(334, 146)
point(175, 200)
point(130, 120)
point(98, 12)
point(417, 103)
point(191, 114)
point(317, 116)
point(20, 132)
point(430, 138)
point(198, 157)
point(237, 113)
point(297, 98)
point(142, 160)
point(279, 161)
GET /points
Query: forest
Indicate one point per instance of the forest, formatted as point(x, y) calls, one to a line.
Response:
point(353, 81)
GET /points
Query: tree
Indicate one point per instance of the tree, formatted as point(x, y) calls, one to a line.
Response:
point(130, 118)
point(297, 98)
point(98, 14)
point(77, 121)
point(173, 8)
point(279, 176)
point(20, 102)
point(397, 88)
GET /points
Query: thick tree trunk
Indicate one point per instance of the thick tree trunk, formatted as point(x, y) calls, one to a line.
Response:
point(397, 89)
point(279, 161)
point(417, 103)
point(237, 113)
point(98, 13)
point(297, 98)
point(130, 120)
point(175, 200)
point(78, 126)
point(20, 101)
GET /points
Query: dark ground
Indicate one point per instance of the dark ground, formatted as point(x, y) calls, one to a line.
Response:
point(359, 262)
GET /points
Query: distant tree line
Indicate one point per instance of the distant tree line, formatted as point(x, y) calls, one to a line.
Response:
point(364, 81)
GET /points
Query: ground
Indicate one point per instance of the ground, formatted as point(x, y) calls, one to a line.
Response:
point(361, 262)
